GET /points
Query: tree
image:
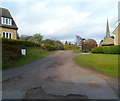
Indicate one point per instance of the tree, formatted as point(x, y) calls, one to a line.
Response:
point(66, 43)
point(49, 41)
point(18, 37)
point(90, 43)
point(70, 43)
point(37, 38)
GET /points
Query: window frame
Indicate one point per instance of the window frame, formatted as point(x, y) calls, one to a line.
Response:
point(6, 21)
point(9, 35)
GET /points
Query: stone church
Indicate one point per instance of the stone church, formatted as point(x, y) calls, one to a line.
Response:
point(108, 40)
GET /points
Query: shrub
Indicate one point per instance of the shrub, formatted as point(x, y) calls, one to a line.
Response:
point(58, 45)
point(107, 50)
point(115, 49)
point(97, 50)
point(10, 52)
point(18, 42)
point(49, 47)
point(71, 47)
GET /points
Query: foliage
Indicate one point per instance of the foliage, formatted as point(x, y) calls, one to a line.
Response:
point(37, 38)
point(10, 53)
point(66, 43)
point(78, 51)
point(71, 47)
point(107, 50)
point(106, 63)
point(90, 43)
point(97, 50)
point(33, 53)
point(18, 42)
point(57, 44)
point(18, 37)
point(49, 47)
point(48, 41)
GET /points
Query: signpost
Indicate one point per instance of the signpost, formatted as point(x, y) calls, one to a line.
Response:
point(23, 51)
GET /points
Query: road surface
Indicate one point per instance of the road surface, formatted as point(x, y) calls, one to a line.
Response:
point(57, 77)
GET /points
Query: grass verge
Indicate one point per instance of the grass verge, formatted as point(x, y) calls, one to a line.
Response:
point(78, 51)
point(33, 53)
point(105, 63)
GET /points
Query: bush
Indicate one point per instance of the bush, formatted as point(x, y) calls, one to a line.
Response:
point(115, 49)
point(10, 53)
point(71, 47)
point(58, 45)
point(49, 47)
point(19, 42)
point(97, 50)
point(107, 50)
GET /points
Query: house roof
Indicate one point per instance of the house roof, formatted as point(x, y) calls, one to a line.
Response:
point(5, 13)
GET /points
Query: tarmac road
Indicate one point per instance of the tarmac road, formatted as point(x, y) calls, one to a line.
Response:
point(57, 77)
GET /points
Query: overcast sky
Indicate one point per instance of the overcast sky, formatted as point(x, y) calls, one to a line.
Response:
point(64, 19)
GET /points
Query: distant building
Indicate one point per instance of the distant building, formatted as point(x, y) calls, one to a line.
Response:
point(28, 38)
point(8, 27)
point(116, 32)
point(78, 41)
point(108, 40)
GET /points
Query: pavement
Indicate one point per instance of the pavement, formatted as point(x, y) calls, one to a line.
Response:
point(57, 77)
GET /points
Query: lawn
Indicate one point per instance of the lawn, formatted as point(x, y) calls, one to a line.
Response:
point(78, 51)
point(33, 53)
point(105, 63)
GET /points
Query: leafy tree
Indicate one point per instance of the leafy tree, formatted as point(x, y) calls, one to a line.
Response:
point(37, 38)
point(70, 43)
point(18, 37)
point(66, 43)
point(57, 44)
point(49, 41)
point(90, 43)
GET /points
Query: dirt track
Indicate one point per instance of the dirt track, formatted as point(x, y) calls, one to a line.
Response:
point(58, 77)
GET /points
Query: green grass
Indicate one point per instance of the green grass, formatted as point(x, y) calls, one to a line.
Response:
point(105, 63)
point(78, 51)
point(33, 53)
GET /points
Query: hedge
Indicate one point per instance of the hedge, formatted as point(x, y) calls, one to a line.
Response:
point(107, 50)
point(48, 47)
point(18, 42)
point(10, 52)
point(71, 47)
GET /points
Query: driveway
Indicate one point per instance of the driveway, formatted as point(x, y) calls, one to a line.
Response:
point(57, 77)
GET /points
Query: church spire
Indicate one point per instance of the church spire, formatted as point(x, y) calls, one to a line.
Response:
point(107, 30)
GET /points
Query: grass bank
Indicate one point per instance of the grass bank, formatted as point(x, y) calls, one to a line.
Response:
point(105, 63)
point(33, 53)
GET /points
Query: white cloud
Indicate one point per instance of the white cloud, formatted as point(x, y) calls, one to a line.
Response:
point(64, 19)
point(52, 26)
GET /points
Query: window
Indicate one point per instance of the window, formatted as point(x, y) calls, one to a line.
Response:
point(10, 35)
point(6, 21)
point(7, 35)
point(3, 34)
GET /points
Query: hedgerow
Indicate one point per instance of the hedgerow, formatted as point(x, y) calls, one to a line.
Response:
point(19, 42)
point(71, 47)
point(107, 50)
point(48, 47)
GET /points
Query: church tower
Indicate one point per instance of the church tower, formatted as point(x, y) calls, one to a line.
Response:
point(107, 30)
point(108, 40)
